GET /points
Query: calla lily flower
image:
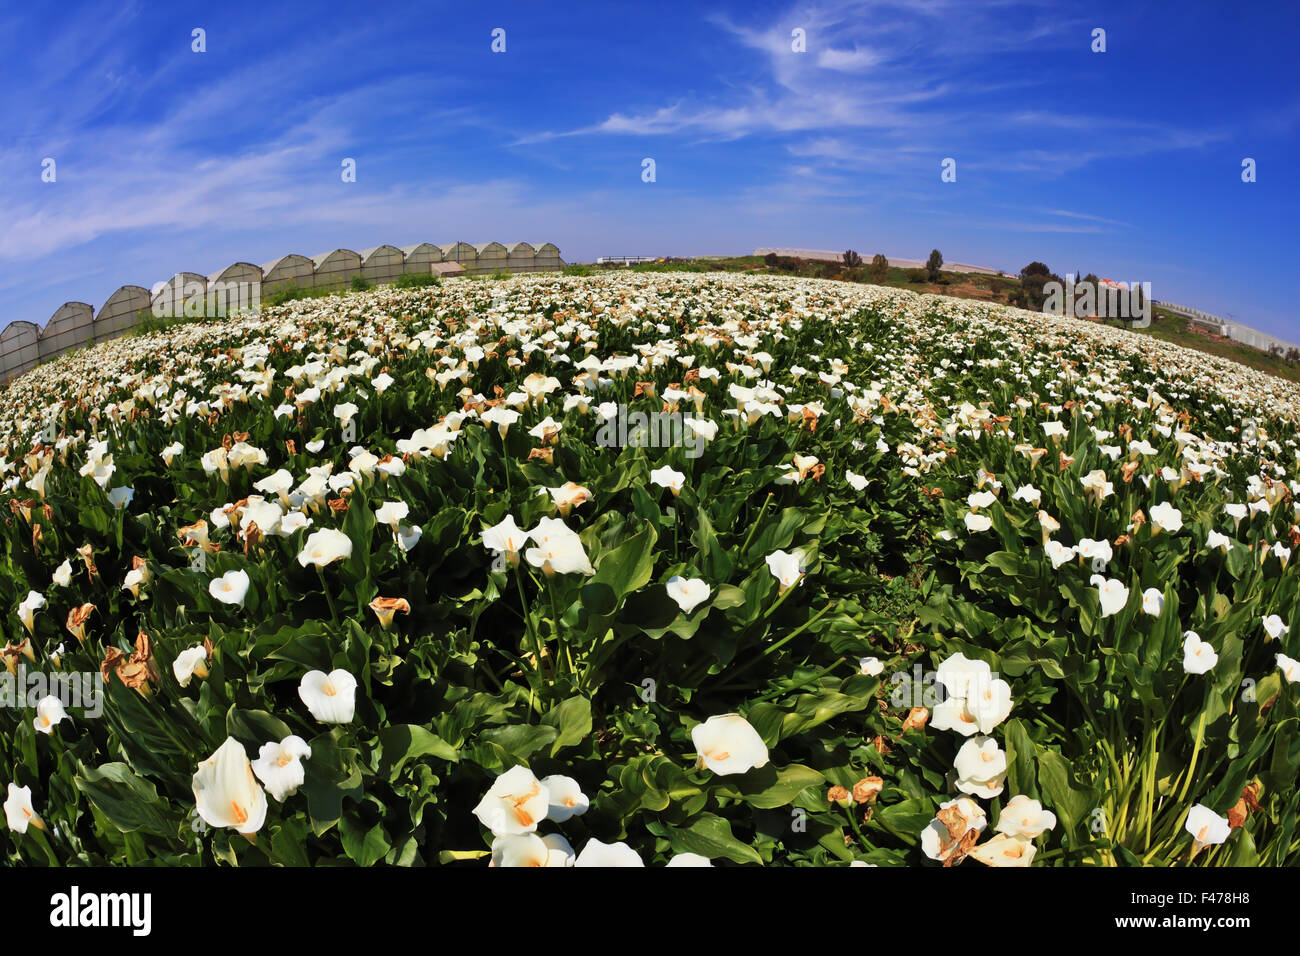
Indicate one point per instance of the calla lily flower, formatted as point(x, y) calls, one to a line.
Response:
point(689, 859)
point(952, 832)
point(1198, 656)
point(324, 547)
point(529, 849)
point(226, 793)
point(689, 593)
point(1165, 517)
point(19, 812)
point(1206, 827)
point(505, 537)
point(27, 610)
point(1274, 627)
point(1005, 850)
point(515, 804)
point(558, 549)
point(230, 588)
point(49, 711)
point(1290, 668)
point(728, 744)
point(981, 767)
point(787, 568)
point(669, 478)
point(1024, 816)
point(190, 663)
point(566, 798)
point(332, 697)
point(596, 853)
point(279, 766)
point(1113, 594)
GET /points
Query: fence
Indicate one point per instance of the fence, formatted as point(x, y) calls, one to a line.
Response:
point(1227, 328)
point(76, 324)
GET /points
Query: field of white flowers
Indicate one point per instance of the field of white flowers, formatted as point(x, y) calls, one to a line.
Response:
point(915, 581)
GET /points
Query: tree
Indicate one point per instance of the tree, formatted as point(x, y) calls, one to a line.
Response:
point(933, 265)
point(770, 259)
point(879, 268)
point(1032, 279)
point(852, 260)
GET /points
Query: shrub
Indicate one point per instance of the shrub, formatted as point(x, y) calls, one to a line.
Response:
point(412, 280)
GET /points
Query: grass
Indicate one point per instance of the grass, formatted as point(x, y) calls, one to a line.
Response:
point(1175, 329)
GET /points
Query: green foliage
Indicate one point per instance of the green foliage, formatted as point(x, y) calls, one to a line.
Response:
point(603, 677)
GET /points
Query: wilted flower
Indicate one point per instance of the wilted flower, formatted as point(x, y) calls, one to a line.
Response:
point(385, 608)
point(568, 496)
point(953, 831)
point(77, 618)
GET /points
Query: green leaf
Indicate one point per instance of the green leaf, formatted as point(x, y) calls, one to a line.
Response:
point(572, 720)
point(710, 836)
point(402, 742)
point(129, 802)
point(768, 788)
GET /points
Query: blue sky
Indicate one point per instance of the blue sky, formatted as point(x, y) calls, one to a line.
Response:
point(1125, 163)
